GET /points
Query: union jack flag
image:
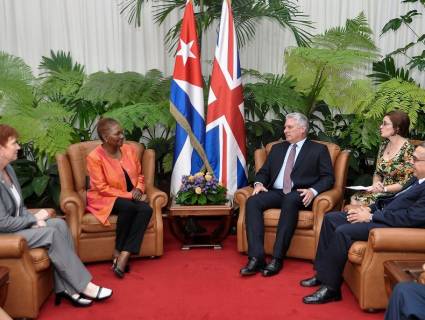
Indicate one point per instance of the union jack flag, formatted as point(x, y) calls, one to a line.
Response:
point(225, 128)
point(187, 103)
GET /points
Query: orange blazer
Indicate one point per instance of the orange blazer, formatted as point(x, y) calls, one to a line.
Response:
point(107, 179)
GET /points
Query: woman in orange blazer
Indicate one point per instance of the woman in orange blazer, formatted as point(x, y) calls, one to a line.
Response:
point(117, 185)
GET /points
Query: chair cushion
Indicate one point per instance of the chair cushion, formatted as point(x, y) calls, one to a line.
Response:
point(90, 224)
point(305, 218)
point(40, 259)
point(357, 251)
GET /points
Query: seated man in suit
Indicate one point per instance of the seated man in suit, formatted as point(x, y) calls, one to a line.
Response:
point(295, 171)
point(340, 229)
point(407, 300)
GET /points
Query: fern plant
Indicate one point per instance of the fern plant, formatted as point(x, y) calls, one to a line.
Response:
point(43, 123)
point(43, 126)
point(390, 95)
point(62, 106)
point(325, 71)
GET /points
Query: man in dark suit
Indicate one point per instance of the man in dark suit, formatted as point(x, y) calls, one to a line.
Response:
point(295, 171)
point(407, 302)
point(340, 229)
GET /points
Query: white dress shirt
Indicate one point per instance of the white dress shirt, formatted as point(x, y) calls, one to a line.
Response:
point(16, 197)
point(278, 184)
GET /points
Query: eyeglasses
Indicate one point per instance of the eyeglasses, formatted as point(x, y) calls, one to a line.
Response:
point(417, 160)
point(385, 124)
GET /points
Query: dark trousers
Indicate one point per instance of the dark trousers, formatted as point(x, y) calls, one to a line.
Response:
point(133, 219)
point(336, 237)
point(406, 302)
point(289, 204)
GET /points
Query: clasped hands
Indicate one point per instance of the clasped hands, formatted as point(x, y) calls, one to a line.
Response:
point(41, 216)
point(359, 214)
point(306, 194)
point(138, 195)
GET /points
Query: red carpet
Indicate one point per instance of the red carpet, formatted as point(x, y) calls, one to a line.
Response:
point(204, 284)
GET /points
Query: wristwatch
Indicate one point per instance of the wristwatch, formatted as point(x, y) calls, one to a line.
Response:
point(385, 189)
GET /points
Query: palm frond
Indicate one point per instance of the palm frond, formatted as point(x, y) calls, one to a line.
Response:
point(15, 82)
point(386, 69)
point(61, 85)
point(133, 10)
point(246, 13)
point(59, 62)
point(273, 93)
point(14, 68)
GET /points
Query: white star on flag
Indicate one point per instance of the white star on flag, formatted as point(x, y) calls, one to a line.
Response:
point(185, 51)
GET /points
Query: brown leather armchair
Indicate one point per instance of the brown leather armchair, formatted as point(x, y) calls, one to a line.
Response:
point(30, 275)
point(93, 240)
point(306, 236)
point(364, 271)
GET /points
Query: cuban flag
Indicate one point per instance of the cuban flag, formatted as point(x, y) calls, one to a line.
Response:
point(225, 130)
point(187, 103)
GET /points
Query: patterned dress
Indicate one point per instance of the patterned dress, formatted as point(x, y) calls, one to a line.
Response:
point(399, 169)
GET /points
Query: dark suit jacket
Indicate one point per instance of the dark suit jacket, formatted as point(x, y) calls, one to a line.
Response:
point(405, 209)
point(8, 221)
point(312, 168)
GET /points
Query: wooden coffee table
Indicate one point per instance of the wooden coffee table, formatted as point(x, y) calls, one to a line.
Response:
point(401, 271)
point(178, 215)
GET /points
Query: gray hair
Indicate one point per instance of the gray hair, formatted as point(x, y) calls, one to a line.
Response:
point(301, 119)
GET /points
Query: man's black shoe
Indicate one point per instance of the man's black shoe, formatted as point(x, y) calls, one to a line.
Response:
point(323, 295)
point(310, 282)
point(272, 268)
point(253, 266)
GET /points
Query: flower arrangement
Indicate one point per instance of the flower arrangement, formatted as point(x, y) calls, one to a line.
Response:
point(201, 188)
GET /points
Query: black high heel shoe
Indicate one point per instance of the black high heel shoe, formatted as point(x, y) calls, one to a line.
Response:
point(117, 271)
point(76, 302)
point(126, 269)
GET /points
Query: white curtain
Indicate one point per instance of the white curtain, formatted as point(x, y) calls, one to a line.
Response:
point(100, 38)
